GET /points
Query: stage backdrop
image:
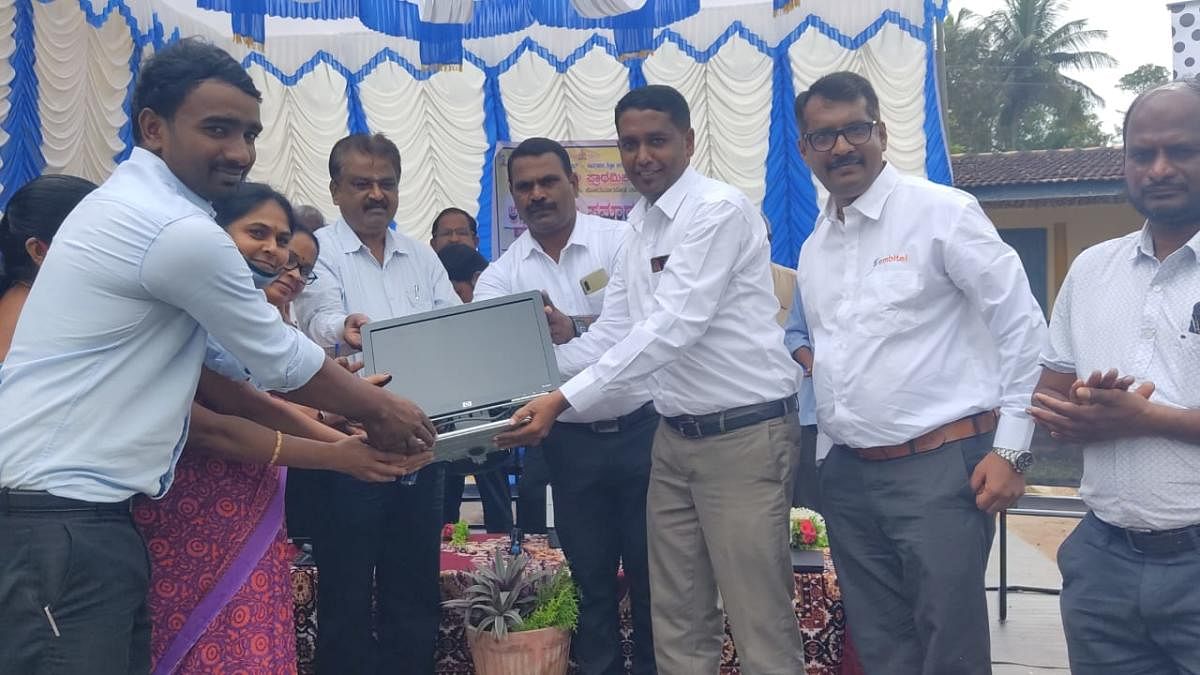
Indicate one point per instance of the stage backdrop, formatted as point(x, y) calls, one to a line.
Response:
point(603, 189)
point(450, 80)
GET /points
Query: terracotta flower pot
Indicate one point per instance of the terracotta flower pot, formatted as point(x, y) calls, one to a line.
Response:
point(544, 651)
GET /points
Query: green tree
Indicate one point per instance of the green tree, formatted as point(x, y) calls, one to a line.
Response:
point(1035, 49)
point(1006, 85)
point(971, 99)
point(1144, 77)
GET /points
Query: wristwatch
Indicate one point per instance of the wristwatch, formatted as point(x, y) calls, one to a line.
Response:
point(1020, 460)
point(580, 325)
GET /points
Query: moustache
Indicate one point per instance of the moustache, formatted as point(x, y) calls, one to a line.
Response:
point(845, 160)
point(374, 205)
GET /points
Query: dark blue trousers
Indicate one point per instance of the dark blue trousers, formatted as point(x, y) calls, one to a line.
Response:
point(1127, 612)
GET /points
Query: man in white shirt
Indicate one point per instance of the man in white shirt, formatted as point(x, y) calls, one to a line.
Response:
point(1130, 309)
point(96, 389)
point(367, 271)
point(599, 462)
point(690, 313)
point(923, 325)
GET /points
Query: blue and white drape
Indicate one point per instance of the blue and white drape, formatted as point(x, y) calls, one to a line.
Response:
point(446, 93)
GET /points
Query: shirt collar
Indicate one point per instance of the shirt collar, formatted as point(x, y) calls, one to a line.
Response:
point(672, 199)
point(871, 202)
point(1145, 244)
point(576, 239)
point(349, 242)
point(142, 157)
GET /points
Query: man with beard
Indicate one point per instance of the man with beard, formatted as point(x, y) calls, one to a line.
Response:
point(386, 532)
point(98, 383)
point(599, 462)
point(1120, 377)
point(922, 324)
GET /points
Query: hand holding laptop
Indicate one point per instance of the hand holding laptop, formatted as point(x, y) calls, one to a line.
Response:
point(532, 422)
point(399, 426)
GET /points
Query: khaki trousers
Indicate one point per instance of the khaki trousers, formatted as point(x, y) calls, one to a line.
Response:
point(717, 519)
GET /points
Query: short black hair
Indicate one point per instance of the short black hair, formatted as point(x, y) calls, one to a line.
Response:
point(246, 198)
point(536, 147)
point(658, 97)
point(462, 262)
point(36, 210)
point(842, 87)
point(374, 145)
point(170, 75)
point(301, 228)
point(454, 209)
point(1191, 84)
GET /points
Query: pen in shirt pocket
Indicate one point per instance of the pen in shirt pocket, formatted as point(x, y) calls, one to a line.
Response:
point(1195, 325)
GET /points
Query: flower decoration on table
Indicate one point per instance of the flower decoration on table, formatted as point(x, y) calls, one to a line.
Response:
point(808, 530)
point(456, 533)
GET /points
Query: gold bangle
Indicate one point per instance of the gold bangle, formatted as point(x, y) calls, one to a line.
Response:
point(278, 446)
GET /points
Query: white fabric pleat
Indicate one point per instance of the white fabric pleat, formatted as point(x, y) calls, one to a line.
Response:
point(438, 125)
point(83, 75)
point(573, 106)
point(730, 101)
point(300, 125)
point(8, 45)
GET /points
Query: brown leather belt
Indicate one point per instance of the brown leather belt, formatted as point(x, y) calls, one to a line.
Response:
point(967, 427)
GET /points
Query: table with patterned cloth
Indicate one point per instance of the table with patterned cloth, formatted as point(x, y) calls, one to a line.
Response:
point(818, 606)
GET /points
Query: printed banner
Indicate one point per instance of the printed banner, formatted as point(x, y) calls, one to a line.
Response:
point(603, 188)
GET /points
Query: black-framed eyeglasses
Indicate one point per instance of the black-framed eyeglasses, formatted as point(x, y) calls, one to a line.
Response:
point(306, 271)
point(855, 134)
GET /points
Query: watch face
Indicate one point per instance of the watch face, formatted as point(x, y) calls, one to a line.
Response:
point(1024, 461)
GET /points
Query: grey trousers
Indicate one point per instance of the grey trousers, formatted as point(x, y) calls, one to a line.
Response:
point(910, 549)
point(717, 518)
point(1125, 612)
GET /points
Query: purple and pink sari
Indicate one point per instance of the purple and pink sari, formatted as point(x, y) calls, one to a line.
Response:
point(220, 588)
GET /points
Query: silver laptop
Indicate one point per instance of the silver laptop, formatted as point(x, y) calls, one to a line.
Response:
point(469, 367)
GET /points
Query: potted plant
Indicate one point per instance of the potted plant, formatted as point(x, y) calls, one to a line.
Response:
point(519, 619)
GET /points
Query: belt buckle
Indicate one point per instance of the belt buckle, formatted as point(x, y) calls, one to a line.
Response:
point(690, 428)
point(606, 426)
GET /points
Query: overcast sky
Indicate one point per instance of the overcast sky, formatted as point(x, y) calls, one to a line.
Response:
point(1139, 31)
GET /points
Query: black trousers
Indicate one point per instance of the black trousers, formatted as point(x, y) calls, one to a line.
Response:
point(531, 491)
point(600, 482)
point(73, 594)
point(387, 535)
point(494, 493)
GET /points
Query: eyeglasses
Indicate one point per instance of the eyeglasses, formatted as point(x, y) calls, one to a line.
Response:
point(855, 134)
point(306, 271)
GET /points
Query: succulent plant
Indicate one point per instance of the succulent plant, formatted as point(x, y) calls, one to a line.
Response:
point(500, 595)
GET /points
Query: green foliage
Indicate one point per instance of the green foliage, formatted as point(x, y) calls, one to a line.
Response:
point(502, 593)
point(462, 530)
point(1006, 88)
point(557, 605)
point(1143, 78)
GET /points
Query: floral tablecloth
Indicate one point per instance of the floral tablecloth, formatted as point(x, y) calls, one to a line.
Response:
point(818, 606)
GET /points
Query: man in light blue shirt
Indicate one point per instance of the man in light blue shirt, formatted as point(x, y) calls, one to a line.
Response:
point(799, 344)
point(368, 272)
point(95, 391)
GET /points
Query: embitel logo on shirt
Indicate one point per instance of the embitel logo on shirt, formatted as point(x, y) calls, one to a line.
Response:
point(894, 258)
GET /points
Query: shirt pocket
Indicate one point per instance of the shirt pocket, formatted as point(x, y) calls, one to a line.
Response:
point(888, 301)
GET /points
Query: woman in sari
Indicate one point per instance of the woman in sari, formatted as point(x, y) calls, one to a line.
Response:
point(220, 590)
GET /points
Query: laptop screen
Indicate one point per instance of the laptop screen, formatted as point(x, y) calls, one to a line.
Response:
point(461, 358)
